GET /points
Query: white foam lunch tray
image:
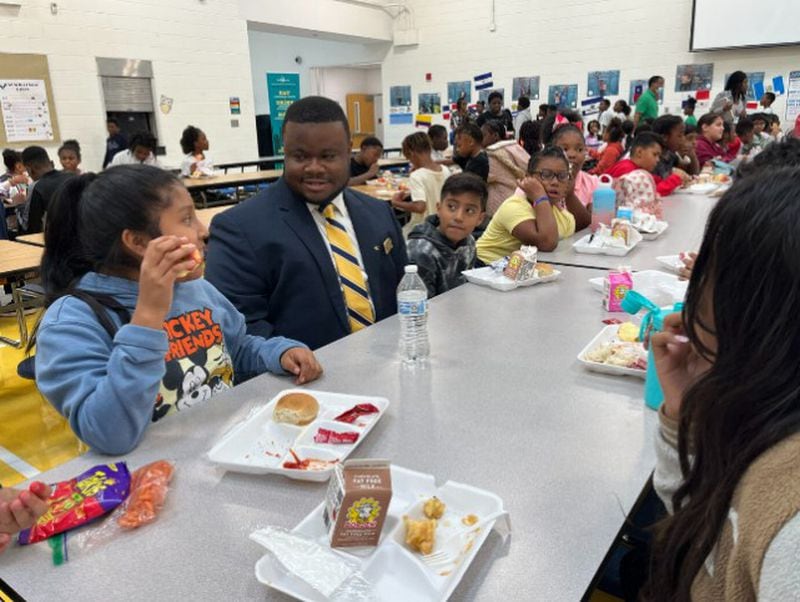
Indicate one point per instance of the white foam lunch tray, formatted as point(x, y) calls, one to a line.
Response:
point(258, 445)
point(661, 227)
point(397, 573)
point(661, 288)
point(488, 276)
point(583, 246)
point(607, 335)
point(671, 263)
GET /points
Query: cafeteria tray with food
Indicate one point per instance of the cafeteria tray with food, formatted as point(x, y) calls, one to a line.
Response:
point(430, 537)
point(301, 434)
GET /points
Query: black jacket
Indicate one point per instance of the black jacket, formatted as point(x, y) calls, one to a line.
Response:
point(42, 195)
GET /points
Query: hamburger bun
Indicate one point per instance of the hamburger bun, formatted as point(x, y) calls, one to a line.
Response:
point(544, 269)
point(296, 408)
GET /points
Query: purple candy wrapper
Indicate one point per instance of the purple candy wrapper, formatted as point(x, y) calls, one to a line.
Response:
point(81, 500)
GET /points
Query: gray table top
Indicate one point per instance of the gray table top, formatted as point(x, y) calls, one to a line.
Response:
point(686, 215)
point(503, 406)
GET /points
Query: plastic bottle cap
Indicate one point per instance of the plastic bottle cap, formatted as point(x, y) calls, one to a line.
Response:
point(411, 269)
point(605, 181)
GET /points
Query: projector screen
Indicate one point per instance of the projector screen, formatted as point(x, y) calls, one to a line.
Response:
point(726, 24)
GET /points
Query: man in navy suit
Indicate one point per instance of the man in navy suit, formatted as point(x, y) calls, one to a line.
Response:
point(308, 258)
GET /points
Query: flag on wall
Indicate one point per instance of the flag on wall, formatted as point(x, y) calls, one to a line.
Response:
point(777, 85)
point(483, 81)
point(703, 94)
point(447, 109)
point(423, 121)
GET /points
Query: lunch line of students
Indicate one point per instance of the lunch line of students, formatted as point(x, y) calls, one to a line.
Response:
point(150, 327)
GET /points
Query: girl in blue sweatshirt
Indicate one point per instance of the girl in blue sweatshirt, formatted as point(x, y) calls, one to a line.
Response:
point(124, 257)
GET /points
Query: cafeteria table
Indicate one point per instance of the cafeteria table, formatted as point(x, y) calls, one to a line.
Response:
point(18, 262)
point(686, 215)
point(503, 405)
point(204, 215)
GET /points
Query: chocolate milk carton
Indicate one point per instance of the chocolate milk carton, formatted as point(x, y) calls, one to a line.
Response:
point(357, 502)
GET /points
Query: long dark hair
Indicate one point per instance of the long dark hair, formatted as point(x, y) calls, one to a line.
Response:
point(86, 219)
point(734, 85)
point(529, 136)
point(749, 400)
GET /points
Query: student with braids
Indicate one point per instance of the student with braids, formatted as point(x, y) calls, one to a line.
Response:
point(729, 440)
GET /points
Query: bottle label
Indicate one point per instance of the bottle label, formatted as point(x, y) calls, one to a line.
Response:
point(412, 308)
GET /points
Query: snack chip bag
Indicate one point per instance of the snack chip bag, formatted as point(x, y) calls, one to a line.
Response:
point(81, 500)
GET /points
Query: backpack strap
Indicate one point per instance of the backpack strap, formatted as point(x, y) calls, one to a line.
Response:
point(99, 303)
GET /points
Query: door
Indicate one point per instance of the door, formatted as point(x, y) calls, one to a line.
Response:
point(361, 116)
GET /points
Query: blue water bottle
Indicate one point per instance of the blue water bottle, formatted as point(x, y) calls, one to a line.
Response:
point(604, 203)
point(653, 321)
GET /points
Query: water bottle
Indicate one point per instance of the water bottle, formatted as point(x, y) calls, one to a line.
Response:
point(412, 307)
point(653, 321)
point(604, 203)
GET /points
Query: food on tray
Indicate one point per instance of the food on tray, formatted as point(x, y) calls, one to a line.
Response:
point(621, 229)
point(420, 534)
point(362, 409)
point(80, 500)
point(469, 520)
point(433, 508)
point(149, 486)
point(307, 463)
point(329, 436)
point(296, 408)
point(616, 285)
point(628, 332)
point(619, 353)
point(521, 264)
point(543, 270)
point(357, 502)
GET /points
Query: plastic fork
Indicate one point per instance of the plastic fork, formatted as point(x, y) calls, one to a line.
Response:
point(448, 553)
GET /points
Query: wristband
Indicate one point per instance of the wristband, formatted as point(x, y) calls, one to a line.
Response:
point(541, 199)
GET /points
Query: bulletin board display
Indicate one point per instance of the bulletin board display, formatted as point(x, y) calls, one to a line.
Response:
point(27, 109)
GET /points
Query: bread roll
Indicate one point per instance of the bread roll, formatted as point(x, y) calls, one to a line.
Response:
point(296, 408)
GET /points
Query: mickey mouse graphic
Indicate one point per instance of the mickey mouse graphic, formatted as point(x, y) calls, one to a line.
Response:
point(193, 379)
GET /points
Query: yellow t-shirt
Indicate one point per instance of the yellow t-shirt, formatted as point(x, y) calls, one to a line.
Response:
point(498, 241)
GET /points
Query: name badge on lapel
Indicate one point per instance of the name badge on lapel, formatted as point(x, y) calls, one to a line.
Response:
point(388, 245)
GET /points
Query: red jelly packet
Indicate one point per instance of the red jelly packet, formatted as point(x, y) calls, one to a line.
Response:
point(353, 413)
point(329, 436)
point(81, 500)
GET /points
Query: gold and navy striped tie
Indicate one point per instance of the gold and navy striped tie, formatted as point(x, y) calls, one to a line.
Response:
point(354, 287)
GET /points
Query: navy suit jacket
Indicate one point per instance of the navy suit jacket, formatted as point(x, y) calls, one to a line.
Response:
point(269, 259)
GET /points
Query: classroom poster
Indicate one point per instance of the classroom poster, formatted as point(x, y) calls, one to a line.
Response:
point(525, 86)
point(563, 96)
point(689, 78)
point(429, 103)
point(282, 89)
point(793, 97)
point(637, 88)
point(603, 83)
point(400, 99)
point(26, 115)
point(484, 94)
point(458, 90)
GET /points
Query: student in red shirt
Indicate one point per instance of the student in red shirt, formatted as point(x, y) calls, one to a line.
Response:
point(613, 151)
point(645, 154)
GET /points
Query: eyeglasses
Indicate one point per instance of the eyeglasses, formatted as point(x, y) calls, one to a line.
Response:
point(549, 174)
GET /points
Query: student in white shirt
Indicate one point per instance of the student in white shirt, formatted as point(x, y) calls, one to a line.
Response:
point(141, 150)
point(606, 114)
point(424, 184)
point(194, 144)
point(523, 114)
